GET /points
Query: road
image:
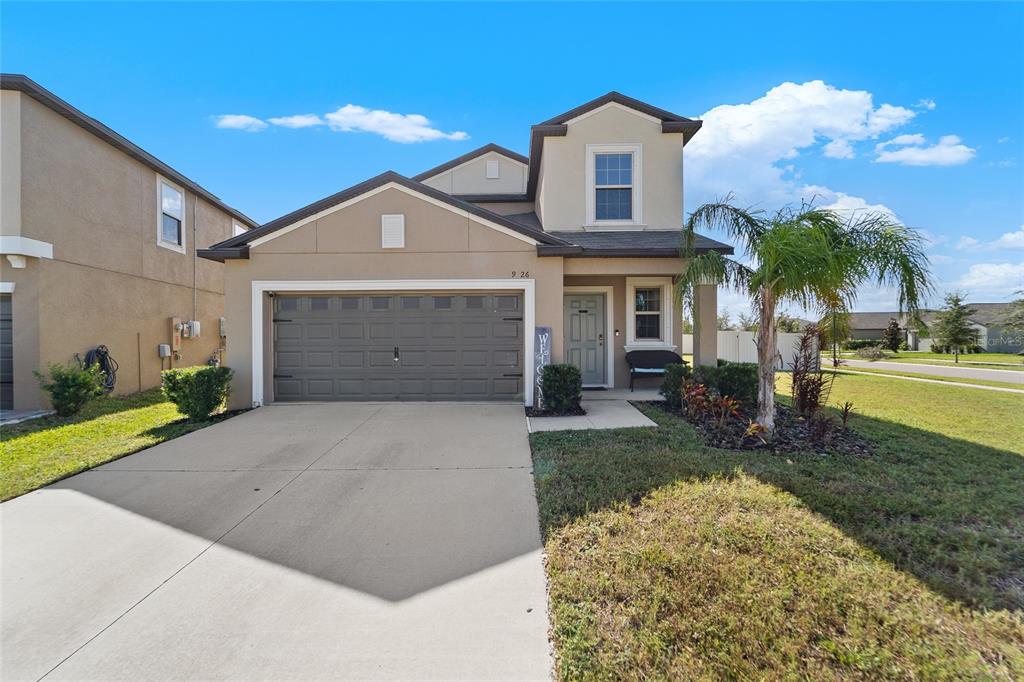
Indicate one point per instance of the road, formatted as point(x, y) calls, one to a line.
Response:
point(1004, 375)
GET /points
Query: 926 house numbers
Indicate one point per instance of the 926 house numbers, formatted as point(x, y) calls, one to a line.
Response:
point(520, 274)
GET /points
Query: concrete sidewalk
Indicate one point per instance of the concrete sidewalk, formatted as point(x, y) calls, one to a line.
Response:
point(340, 541)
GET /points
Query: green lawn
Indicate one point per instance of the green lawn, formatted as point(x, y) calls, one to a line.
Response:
point(41, 451)
point(671, 560)
point(881, 369)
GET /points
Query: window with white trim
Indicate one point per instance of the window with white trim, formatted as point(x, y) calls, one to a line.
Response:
point(613, 186)
point(237, 229)
point(614, 196)
point(171, 219)
point(649, 312)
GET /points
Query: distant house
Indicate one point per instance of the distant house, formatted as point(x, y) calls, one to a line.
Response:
point(987, 319)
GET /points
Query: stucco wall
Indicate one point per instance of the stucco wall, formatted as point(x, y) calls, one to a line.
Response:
point(345, 245)
point(562, 190)
point(471, 177)
point(109, 282)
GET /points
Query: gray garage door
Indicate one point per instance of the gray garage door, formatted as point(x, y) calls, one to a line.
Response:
point(6, 354)
point(414, 346)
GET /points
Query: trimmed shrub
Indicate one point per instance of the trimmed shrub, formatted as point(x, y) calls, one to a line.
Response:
point(562, 388)
point(672, 386)
point(197, 391)
point(735, 379)
point(71, 387)
point(857, 344)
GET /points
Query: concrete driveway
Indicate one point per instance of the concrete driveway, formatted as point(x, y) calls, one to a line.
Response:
point(327, 541)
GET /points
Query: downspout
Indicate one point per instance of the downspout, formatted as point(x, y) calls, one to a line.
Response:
point(195, 258)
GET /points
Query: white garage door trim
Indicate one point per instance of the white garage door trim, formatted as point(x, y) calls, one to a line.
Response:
point(261, 287)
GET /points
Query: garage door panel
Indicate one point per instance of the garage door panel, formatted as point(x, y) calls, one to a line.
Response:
point(451, 347)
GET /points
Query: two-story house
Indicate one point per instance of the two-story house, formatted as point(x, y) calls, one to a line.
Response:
point(443, 286)
point(98, 244)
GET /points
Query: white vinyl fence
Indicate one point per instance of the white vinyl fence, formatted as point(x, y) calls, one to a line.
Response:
point(742, 347)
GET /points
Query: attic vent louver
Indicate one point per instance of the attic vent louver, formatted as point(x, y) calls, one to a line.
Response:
point(392, 231)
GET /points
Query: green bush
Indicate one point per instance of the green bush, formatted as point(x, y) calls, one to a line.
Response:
point(857, 344)
point(71, 387)
point(197, 391)
point(672, 386)
point(562, 388)
point(734, 379)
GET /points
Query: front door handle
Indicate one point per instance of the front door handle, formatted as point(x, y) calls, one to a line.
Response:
point(600, 339)
point(397, 356)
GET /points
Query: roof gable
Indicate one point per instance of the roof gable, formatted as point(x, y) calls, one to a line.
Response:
point(469, 156)
point(238, 247)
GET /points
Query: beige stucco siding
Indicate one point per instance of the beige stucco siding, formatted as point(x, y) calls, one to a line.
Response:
point(508, 207)
point(345, 245)
point(108, 282)
point(562, 187)
point(471, 177)
point(10, 163)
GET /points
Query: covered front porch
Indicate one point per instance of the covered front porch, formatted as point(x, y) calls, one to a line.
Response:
point(615, 305)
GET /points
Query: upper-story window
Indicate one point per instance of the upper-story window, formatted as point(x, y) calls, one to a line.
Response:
point(171, 219)
point(237, 229)
point(613, 185)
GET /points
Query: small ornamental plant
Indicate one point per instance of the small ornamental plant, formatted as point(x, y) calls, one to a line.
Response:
point(71, 387)
point(561, 387)
point(197, 391)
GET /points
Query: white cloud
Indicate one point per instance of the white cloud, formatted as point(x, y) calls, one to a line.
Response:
point(1010, 240)
point(993, 279)
point(927, 103)
point(403, 128)
point(839, 149)
point(948, 152)
point(1003, 140)
point(297, 121)
point(844, 204)
point(740, 145)
point(351, 118)
point(249, 124)
point(900, 140)
point(940, 259)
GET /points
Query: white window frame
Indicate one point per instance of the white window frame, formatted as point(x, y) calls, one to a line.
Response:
point(238, 228)
point(637, 221)
point(160, 182)
point(667, 299)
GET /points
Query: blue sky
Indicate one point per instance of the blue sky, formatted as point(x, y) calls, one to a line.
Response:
point(794, 97)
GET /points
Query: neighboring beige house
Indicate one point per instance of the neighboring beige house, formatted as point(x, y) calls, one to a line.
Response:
point(444, 286)
point(987, 319)
point(98, 241)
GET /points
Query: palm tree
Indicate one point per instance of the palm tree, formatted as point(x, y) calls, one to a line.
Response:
point(808, 256)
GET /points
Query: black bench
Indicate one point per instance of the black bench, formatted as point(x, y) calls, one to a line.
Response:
point(650, 363)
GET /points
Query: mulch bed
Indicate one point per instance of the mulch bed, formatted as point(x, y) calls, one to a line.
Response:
point(534, 412)
point(793, 433)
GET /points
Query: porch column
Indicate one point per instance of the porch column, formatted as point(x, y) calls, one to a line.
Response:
point(705, 324)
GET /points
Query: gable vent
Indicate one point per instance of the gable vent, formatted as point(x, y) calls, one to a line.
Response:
point(492, 169)
point(392, 231)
